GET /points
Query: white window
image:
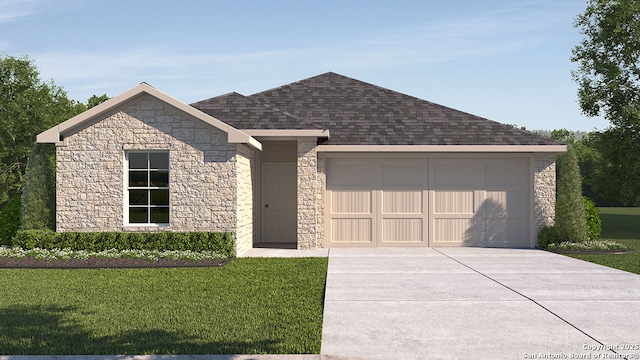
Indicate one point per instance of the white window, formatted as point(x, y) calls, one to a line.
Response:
point(147, 186)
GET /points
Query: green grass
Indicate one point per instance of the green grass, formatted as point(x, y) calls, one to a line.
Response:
point(621, 225)
point(250, 306)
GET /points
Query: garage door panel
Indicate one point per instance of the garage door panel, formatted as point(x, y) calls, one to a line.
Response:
point(505, 232)
point(454, 174)
point(351, 230)
point(402, 230)
point(404, 173)
point(506, 172)
point(453, 202)
point(351, 202)
point(350, 173)
point(402, 202)
point(511, 204)
point(450, 231)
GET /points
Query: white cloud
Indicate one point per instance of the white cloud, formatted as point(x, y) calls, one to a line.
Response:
point(468, 37)
point(11, 10)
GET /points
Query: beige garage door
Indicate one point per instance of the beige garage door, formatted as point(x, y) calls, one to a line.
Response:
point(479, 202)
point(428, 201)
point(377, 202)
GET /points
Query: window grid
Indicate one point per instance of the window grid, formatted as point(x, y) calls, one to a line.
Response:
point(148, 188)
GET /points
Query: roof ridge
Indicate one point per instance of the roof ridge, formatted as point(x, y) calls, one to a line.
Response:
point(204, 101)
point(296, 82)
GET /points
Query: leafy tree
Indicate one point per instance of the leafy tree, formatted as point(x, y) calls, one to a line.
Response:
point(39, 190)
point(618, 170)
point(563, 135)
point(608, 77)
point(9, 220)
point(95, 100)
point(28, 106)
point(570, 220)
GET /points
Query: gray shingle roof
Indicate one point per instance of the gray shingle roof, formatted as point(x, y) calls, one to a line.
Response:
point(243, 113)
point(358, 113)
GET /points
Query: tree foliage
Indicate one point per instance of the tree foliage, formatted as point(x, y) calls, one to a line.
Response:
point(39, 190)
point(608, 76)
point(608, 61)
point(95, 100)
point(618, 170)
point(594, 222)
point(28, 106)
point(9, 220)
point(570, 220)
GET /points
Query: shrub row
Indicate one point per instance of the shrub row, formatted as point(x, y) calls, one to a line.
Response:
point(219, 242)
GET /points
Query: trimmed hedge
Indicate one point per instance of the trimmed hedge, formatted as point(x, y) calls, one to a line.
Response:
point(219, 242)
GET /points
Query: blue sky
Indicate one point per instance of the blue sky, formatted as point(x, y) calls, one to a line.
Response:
point(506, 60)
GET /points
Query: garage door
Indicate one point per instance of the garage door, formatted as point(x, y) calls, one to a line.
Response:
point(427, 201)
point(377, 202)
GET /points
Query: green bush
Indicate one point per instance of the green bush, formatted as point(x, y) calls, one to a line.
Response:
point(9, 220)
point(39, 189)
point(30, 239)
point(570, 221)
point(547, 235)
point(594, 223)
point(219, 242)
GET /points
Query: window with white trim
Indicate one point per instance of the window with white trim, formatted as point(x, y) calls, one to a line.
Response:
point(147, 187)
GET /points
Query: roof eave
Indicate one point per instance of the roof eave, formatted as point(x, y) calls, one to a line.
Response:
point(284, 134)
point(446, 148)
point(53, 135)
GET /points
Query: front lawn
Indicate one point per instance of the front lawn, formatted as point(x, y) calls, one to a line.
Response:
point(250, 306)
point(621, 225)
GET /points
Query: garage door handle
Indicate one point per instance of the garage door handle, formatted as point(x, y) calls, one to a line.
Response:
point(266, 205)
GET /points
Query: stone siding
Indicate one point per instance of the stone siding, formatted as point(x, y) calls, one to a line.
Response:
point(91, 175)
point(245, 208)
point(307, 193)
point(544, 191)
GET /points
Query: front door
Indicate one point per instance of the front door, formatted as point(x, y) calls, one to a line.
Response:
point(279, 202)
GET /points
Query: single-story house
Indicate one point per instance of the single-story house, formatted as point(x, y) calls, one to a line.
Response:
point(323, 162)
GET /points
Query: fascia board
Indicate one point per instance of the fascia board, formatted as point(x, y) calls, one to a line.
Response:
point(284, 133)
point(445, 148)
point(53, 135)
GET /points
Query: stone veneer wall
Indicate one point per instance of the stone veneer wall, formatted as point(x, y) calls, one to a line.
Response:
point(544, 190)
point(245, 162)
point(307, 192)
point(91, 180)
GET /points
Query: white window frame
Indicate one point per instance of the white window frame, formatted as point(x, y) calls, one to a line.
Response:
point(148, 188)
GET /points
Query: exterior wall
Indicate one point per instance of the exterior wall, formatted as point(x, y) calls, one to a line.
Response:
point(245, 162)
point(544, 191)
point(307, 193)
point(91, 174)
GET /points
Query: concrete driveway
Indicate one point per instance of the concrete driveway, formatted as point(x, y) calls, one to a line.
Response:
point(473, 303)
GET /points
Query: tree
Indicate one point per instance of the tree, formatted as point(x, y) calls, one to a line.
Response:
point(95, 100)
point(39, 190)
point(28, 106)
point(618, 168)
point(608, 78)
point(570, 220)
